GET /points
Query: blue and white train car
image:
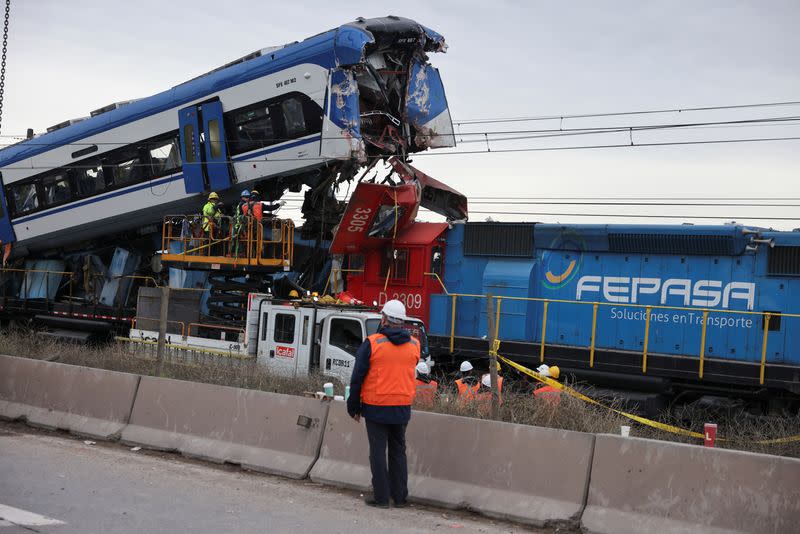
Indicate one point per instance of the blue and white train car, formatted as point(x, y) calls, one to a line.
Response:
point(279, 118)
point(672, 308)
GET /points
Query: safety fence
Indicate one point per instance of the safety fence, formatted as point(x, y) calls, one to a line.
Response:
point(648, 312)
point(600, 482)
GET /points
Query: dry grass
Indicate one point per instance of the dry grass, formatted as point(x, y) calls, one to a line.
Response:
point(178, 364)
point(741, 431)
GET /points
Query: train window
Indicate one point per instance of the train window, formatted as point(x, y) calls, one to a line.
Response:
point(293, 119)
point(436, 260)
point(56, 189)
point(214, 138)
point(251, 128)
point(346, 335)
point(165, 157)
point(126, 167)
point(284, 328)
point(397, 261)
point(24, 198)
point(89, 179)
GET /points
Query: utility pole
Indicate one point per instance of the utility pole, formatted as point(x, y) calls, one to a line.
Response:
point(490, 322)
point(162, 328)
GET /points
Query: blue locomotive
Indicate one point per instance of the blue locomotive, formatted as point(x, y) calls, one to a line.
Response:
point(680, 309)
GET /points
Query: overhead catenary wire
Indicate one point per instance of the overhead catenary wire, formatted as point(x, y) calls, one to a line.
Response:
point(625, 113)
point(791, 120)
point(452, 153)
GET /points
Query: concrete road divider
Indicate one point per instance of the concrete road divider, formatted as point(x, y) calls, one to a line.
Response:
point(86, 401)
point(523, 473)
point(642, 485)
point(267, 432)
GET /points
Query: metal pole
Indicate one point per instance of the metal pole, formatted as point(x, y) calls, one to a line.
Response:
point(492, 331)
point(544, 332)
point(703, 344)
point(452, 323)
point(594, 332)
point(646, 337)
point(162, 328)
point(767, 317)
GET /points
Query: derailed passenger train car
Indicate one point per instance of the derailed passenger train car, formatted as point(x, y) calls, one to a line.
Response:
point(307, 113)
point(670, 309)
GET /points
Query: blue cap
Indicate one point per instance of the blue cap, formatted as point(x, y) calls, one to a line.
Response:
point(246, 193)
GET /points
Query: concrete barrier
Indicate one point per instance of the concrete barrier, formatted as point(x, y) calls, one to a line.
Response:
point(641, 485)
point(86, 401)
point(258, 430)
point(523, 473)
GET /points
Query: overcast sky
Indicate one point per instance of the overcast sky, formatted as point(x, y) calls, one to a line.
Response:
point(506, 59)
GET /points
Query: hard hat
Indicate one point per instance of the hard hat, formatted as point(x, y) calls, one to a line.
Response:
point(394, 309)
point(314, 294)
point(293, 294)
point(213, 196)
point(423, 369)
point(555, 372)
point(498, 367)
point(246, 193)
point(543, 370)
point(486, 380)
point(465, 366)
point(254, 192)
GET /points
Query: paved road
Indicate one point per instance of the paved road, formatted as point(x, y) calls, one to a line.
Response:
point(54, 483)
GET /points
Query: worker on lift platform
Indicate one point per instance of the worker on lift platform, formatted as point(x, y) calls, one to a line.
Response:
point(212, 214)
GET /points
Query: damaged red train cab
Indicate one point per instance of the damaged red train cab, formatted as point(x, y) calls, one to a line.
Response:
point(388, 253)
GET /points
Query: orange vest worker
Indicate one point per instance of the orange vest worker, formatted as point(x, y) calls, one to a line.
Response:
point(391, 380)
point(426, 391)
point(486, 395)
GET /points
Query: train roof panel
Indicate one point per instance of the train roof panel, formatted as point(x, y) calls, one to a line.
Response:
point(340, 46)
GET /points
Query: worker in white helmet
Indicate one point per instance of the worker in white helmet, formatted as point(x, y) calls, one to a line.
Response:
point(382, 389)
point(426, 387)
point(467, 383)
point(485, 391)
point(551, 394)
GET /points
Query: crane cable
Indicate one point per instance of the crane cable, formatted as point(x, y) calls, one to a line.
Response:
point(3, 60)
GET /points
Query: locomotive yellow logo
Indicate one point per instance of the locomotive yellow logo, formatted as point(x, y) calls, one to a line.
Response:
point(559, 278)
point(561, 261)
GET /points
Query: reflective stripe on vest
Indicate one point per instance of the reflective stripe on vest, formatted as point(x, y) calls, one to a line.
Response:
point(465, 391)
point(487, 395)
point(391, 380)
point(426, 391)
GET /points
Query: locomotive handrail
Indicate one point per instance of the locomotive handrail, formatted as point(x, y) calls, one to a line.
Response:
point(767, 316)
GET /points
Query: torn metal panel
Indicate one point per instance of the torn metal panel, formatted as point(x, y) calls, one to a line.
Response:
point(374, 216)
point(426, 108)
point(434, 196)
point(345, 112)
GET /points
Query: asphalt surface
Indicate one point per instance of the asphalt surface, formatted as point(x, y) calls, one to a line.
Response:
point(55, 483)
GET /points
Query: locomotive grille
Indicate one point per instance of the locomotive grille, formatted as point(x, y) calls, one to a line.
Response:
point(499, 239)
point(784, 260)
point(715, 245)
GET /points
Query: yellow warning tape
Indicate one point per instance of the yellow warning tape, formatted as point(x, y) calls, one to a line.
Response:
point(643, 420)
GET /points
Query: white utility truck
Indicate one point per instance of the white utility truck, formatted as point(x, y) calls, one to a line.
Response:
point(295, 337)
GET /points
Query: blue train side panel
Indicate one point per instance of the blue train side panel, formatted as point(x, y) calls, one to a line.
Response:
point(624, 269)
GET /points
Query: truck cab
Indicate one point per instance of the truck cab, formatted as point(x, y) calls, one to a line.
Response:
point(296, 337)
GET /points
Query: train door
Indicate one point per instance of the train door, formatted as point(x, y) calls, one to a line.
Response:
point(6, 230)
point(203, 148)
